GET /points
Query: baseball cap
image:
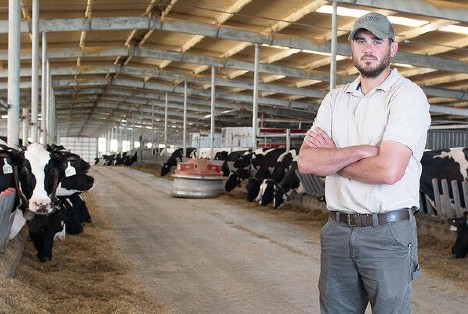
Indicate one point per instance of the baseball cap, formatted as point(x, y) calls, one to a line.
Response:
point(376, 23)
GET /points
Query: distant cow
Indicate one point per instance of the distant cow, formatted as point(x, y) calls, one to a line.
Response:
point(450, 164)
point(286, 186)
point(176, 156)
point(205, 152)
point(229, 158)
point(244, 168)
point(460, 248)
point(263, 163)
point(267, 188)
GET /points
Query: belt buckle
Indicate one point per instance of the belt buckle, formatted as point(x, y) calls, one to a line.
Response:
point(349, 221)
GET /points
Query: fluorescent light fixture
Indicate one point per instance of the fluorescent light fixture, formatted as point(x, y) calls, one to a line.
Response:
point(328, 9)
point(406, 21)
point(4, 116)
point(403, 65)
point(338, 57)
point(274, 46)
point(455, 29)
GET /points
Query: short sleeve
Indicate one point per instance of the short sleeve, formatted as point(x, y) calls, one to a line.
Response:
point(324, 115)
point(409, 118)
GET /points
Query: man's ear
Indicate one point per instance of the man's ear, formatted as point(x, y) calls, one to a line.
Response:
point(393, 48)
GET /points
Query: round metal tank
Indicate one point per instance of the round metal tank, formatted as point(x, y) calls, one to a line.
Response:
point(197, 178)
point(196, 186)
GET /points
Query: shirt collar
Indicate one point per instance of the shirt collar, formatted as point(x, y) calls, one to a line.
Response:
point(355, 86)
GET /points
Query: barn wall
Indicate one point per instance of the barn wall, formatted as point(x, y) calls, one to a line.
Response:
point(441, 139)
point(86, 147)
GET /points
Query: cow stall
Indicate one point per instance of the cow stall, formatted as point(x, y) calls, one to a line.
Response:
point(448, 199)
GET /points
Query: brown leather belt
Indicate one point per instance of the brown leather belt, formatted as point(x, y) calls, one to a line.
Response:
point(370, 220)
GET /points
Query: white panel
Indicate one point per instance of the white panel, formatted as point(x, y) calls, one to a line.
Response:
point(86, 147)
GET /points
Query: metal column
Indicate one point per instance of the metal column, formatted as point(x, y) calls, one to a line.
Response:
point(184, 134)
point(212, 121)
point(14, 42)
point(165, 123)
point(333, 47)
point(255, 99)
point(35, 72)
point(43, 89)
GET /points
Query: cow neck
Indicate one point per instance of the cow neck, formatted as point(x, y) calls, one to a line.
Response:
point(280, 187)
point(53, 197)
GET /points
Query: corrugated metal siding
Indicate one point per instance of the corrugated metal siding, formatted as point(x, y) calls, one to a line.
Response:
point(441, 139)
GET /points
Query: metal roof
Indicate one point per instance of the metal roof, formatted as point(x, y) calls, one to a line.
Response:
point(115, 60)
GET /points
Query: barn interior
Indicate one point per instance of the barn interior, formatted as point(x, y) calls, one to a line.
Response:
point(162, 69)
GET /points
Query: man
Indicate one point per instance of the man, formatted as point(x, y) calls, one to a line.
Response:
point(367, 139)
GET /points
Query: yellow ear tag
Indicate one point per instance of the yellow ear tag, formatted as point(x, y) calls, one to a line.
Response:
point(70, 171)
point(7, 167)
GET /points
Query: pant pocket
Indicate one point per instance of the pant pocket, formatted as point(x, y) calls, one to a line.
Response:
point(416, 273)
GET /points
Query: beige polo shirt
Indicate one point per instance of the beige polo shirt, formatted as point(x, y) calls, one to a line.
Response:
point(398, 111)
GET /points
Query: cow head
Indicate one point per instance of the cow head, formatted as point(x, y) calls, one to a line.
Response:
point(44, 175)
point(253, 188)
point(177, 155)
point(280, 197)
point(266, 194)
point(232, 181)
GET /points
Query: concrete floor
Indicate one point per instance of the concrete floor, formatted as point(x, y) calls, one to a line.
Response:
point(208, 256)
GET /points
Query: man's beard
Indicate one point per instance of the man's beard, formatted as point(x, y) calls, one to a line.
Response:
point(373, 72)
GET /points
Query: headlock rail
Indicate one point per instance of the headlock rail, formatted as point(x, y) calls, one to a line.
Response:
point(449, 201)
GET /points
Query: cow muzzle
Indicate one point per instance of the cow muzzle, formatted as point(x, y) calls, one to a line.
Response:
point(41, 206)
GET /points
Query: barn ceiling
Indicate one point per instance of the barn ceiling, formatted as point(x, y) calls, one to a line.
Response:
point(113, 61)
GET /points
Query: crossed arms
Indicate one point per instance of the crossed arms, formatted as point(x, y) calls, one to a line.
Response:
point(384, 164)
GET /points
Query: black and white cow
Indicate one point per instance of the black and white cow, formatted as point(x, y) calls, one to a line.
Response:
point(229, 159)
point(450, 164)
point(176, 156)
point(460, 248)
point(265, 164)
point(244, 168)
point(286, 186)
point(267, 188)
point(43, 177)
point(75, 212)
point(42, 231)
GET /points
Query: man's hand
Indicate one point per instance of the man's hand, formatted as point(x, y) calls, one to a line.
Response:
point(318, 138)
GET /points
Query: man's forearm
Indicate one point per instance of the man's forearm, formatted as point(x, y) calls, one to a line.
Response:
point(326, 161)
point(387, 167)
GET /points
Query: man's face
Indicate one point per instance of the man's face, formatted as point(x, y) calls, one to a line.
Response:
point(372, 55)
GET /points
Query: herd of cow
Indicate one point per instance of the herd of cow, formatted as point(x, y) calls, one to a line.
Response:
point(48, 183)
point(271, 176)
point(117, 159)
point(270, 172)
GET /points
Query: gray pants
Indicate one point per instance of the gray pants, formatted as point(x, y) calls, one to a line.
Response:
point(368, 264)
